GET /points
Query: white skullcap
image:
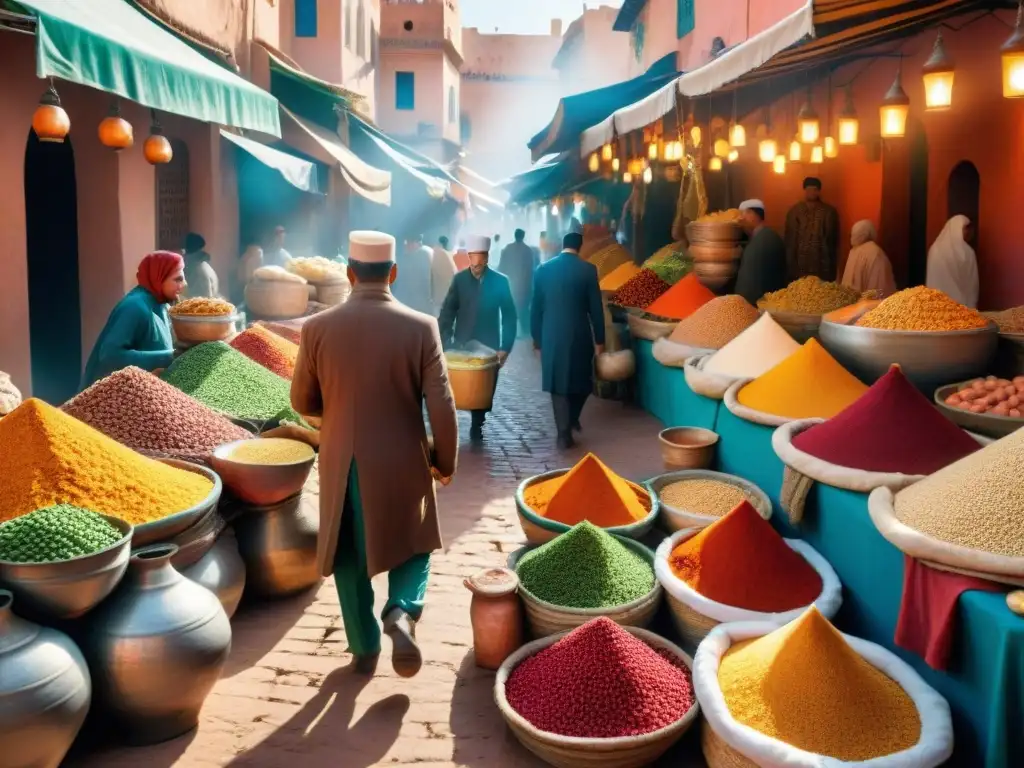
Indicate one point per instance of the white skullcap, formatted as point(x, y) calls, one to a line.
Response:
point(755, 203)
point(371, 247)
point(478, 244)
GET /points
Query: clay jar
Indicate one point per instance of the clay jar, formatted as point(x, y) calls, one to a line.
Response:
point(156, 647)
point(496, 615)
point(44, 691)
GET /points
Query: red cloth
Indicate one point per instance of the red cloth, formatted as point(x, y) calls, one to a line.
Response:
point(928, 610)
point(156, 267)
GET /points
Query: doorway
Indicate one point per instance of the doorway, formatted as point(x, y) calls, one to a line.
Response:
point(918, 256)
point(963, 193)
point(172, 199)
point(51, 234)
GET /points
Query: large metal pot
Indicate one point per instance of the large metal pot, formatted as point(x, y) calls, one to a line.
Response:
point(222, 571)
point(278, 546)
point(45, 691)
point(156, 647)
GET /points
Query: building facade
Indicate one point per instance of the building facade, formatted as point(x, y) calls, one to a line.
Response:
point(593, 54)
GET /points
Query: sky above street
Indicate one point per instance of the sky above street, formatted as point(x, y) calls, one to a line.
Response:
point(523, 17)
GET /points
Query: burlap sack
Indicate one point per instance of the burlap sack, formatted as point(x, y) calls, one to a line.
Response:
point(710, 385)
point(10, 397)
point(673, 354)
point(940, 554)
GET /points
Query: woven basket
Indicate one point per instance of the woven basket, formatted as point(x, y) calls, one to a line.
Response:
point(574, 752)
point(675, 519)
point(549, 619)
point(651, 330)
point(713, 232)
point(276, 300)
point(539, 529)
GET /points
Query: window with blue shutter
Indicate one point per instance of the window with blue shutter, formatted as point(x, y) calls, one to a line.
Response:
point(685, 18)
point(305, 18)
point(405, 90)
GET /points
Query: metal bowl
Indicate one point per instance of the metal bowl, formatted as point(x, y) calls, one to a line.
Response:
point(196, 329)
point(986, 424)
point(68, 589)
point(168, 527)
point(800, 325)
point(260, 484)
point(928, 358)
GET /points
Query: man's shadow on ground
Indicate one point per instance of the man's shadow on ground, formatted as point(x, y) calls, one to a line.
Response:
point(322, 734)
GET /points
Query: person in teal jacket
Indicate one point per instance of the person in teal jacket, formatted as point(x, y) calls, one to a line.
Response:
point(138, 331)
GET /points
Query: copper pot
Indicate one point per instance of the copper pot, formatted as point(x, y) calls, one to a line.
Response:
point(496, 615)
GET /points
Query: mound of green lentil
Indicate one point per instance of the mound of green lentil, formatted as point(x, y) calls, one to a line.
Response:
point(674, 267)
point(56, 533)
point(586, 567)
point(224, 379)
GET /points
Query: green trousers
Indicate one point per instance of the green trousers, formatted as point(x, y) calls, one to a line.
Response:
point(407, 584)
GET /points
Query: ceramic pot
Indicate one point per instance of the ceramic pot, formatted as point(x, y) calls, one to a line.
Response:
point(156, 647)
point(222, 571)
point(496, 615)
point(278, 546)
point(45, 691)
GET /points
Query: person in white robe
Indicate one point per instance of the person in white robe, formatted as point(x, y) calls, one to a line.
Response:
point(952, 263)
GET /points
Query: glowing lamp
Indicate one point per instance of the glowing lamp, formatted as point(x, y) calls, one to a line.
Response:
point(715, 164)
point(652, 150)
point(50, 122)
point(796, 150)
point(695, 138)
point(722, 148)
point(817, 154)
point(779, 164)
point(938, 74)
point(615, 165)
point(606, 152)
point(627, 178)
point(648, 175)
point(738, 135)
point(831, 148)
point(1012, 54)
point(808, 125)
point(734, 156)
point(849, 124)
point(894, 111)
point(767, 150)
point(595, 162)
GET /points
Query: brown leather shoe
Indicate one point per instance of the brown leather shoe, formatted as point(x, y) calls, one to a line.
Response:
point(405, 654)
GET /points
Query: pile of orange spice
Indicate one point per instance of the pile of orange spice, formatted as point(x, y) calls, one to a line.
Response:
point(740, 560)
point(682, 299)
point(589, 491)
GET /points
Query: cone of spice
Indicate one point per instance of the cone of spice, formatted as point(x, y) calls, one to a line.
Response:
point(273, 352)
point(755, 351)
point(640, 291)
point(600, 682)
point(716, 323)
point(803, 685)
point(741, 561)
point(807, 384)
point(891, 428)
point(682, 299)
point(588, 491)
point(619, 276)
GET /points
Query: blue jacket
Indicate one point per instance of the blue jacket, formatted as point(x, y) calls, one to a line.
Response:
point(138, 332)
point(567, 321)
point(479, 310)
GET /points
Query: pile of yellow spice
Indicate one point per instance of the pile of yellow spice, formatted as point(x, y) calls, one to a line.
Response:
point(922, 309)
point(269, 451)
point(202, 307)
point(809, 295)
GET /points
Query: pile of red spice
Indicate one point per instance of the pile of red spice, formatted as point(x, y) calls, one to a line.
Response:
point(890, 428)
point(286, 329)
point(682, 299)
point(740, 560)
point(640, 291)
point(600, 682)
point(273, 352)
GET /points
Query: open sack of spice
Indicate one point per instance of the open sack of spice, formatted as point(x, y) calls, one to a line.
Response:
point(967, 517)
point(804, 695)
point(808, 384)
point(890, 436)
point(707, 330)
point(740, 569)
point(753, 352)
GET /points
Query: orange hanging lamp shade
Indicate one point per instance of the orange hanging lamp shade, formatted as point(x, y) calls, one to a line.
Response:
point(938, 73)
point(157, 148)
point(849, 124)
point(115, 132)
point(50, 122)
point(1012, 54)
point(894, 110)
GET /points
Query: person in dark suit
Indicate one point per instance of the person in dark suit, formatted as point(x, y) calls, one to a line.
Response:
point(479, 307)
point(567, 325)
point(763, 264)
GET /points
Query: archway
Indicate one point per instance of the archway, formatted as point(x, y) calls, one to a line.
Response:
point(172, 199)
point(51, 234)
point(963, 193)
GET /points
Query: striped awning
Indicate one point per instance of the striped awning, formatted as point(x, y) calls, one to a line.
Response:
point(822, 32)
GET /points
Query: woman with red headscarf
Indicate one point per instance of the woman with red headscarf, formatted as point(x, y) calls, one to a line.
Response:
point(138, 331)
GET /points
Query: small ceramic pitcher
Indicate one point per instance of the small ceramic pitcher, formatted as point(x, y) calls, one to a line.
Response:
point(496, 615)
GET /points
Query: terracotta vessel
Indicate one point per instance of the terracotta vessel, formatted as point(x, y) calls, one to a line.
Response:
point(496, 615)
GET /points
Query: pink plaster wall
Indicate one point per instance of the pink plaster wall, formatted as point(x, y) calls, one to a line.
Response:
point(428, 67)
point(593, 55)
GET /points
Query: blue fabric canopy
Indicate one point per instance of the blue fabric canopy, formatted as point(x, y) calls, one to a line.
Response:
point(300, 173)
point(577, 113)
point(543, 181)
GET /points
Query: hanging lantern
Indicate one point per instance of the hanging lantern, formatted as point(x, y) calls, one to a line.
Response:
point(779, 164)
point(1012, 54)
point(738, 135)
point(115, 132)
point(594, 163)
point(938, 74)
point(894, 110)
point(715, 163)
point(831, 148)
point(652, 150)
point(627, 178)
point(648, 175)
point(808, 125)
point(695, 137)
point(817, 154)
point(796, 150)
point(615, 165)
point(767, 149)
point(722, 148)
point(554, 209)
point(50, 122)
point(734, 155)
point(606, 152)
point(636, 166)
point(849, 124)
point(157, 149)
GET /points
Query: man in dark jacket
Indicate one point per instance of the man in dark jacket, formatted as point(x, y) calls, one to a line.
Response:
point(479, 307)
point(567, 324)
point(763, 265)
point(517, 264)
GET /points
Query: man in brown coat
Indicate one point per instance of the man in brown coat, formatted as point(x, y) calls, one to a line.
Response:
point(366, 368)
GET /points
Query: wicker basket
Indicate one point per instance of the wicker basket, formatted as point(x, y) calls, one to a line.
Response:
point(715, 275)
point(473, 386)
point(687, 447)
point(276, 299)
point(574, 752)
point(546, 618)
point(651, 330)
point(675, 519)
point(713, 232)
point(800, 325)
point(197, 329)
point(539, 529)
point(715, 253)
point(333, 293)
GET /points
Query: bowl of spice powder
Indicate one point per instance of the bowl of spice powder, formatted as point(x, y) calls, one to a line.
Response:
point(806, 695)
point(698, 497)
point(602, 695)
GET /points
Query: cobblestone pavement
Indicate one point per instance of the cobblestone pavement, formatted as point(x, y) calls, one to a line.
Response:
point(286, 694)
